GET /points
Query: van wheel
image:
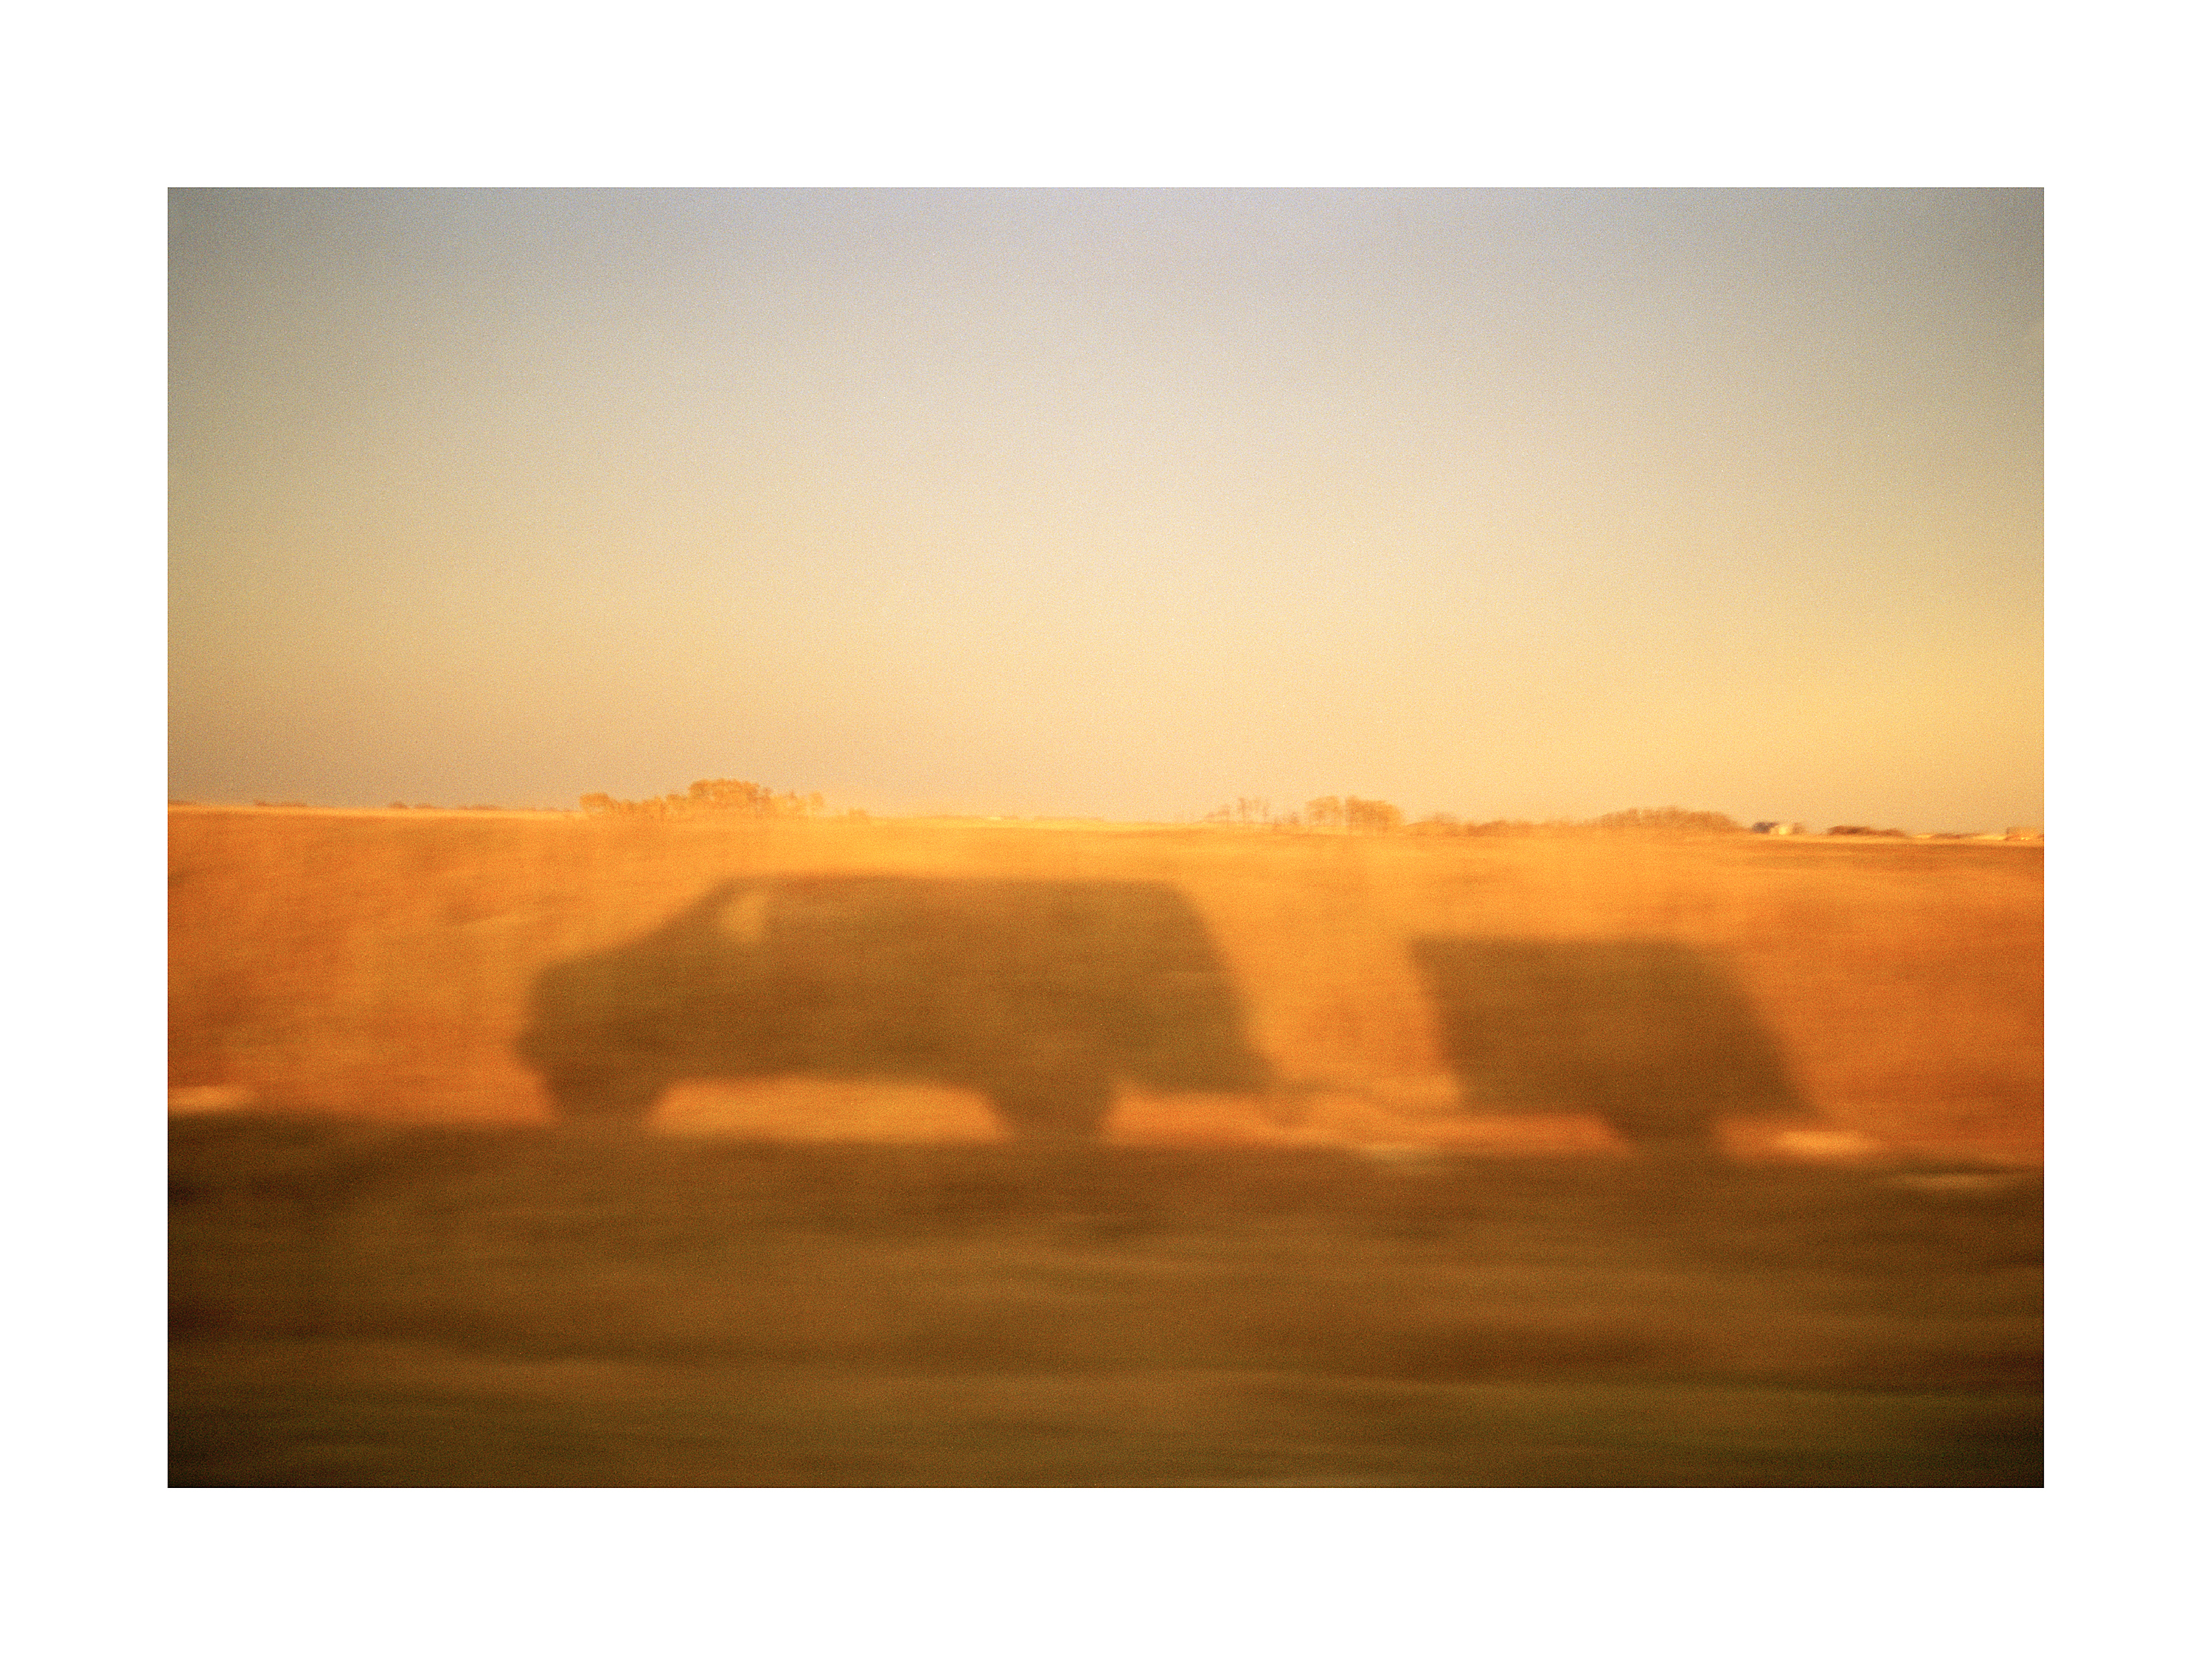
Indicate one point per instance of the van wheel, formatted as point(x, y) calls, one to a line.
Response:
point(602, 1100)
point(1666, 1132)
point(1075, 1110)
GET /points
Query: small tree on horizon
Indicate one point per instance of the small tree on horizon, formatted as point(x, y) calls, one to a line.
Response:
point(1365, 815)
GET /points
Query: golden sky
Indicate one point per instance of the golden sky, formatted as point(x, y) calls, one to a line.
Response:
point(1512, 504)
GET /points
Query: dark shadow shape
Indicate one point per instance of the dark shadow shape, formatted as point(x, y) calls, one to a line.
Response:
point(1655, 1037)
point(1038, 995)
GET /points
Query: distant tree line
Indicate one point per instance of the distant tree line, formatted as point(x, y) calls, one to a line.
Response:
point(1349, 814)
point(476, 808)
point(704, 798)
point(1669, 819)
point(746, 800)
point(1345, 814)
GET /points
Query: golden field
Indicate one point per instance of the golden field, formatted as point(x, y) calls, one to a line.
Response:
point(381, 966)
point(1425, 1247)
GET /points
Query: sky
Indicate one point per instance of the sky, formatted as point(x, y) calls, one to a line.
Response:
point(1510, 505)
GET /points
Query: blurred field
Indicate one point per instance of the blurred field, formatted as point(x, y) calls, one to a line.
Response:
point(1590, 1160)
point(378, 1305)
point(383, 967)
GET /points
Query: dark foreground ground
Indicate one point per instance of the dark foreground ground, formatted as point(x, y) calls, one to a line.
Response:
point(359, 1304)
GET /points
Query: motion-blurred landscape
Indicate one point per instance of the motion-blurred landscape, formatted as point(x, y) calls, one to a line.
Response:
point(1421, 866)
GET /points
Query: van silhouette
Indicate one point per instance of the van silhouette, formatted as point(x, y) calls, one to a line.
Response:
point(1039, 995)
